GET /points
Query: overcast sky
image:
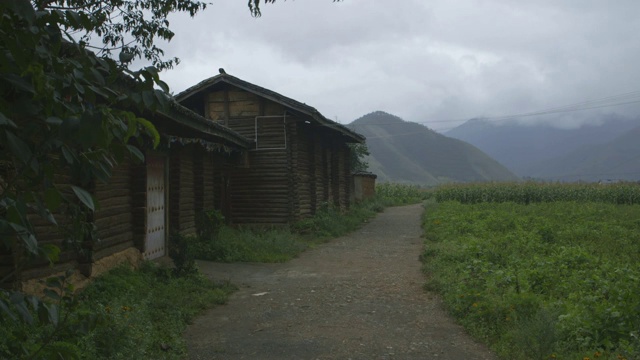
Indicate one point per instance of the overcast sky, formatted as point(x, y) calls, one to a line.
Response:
point(428, 61)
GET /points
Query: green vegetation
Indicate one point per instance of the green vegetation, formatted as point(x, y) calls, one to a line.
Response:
point(543, 280)
point(268, 244)
point(125, 314)
point(533, 192)
point(390, 194)
point(279, 244)
point(357, 154)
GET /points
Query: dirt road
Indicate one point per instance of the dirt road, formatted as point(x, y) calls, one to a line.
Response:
point(357, 297)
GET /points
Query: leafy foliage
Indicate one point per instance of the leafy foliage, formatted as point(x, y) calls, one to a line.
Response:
point(358, 152)
point(63, 112)
point(182, 254)
point(130, 27)
point(254, 6)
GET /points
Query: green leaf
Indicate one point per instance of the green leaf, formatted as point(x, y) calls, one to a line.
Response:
point(151, 130)
point(163, 85)
point(27, 237)
point(54, 315)
point(44, 211)
point(52, 198)
point(19, 82)
point(52, 294)
point(54, 121)
point(68, 155)
point(51, 252)
point(148, 99)
point(33, 301)
point(84, 197)
point(73, 18)
point(6, 121)
point(4, 307)
point(55, 282)
point(125, 57)
point(136, 153)
point(102, 172)
point(162, 98)
point(23, 310)
point(19, 148)
point(22, 9)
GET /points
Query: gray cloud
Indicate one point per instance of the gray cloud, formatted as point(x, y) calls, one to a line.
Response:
point(423, 61)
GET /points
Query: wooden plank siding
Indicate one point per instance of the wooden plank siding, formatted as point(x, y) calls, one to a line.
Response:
point(182, 191)
point(260, 194)
point(114, 217)
point(301, 141)
point(49, 234)
point(345, 178)
point(295, 167)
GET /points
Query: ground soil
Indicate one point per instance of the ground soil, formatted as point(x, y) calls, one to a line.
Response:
point(359, 296)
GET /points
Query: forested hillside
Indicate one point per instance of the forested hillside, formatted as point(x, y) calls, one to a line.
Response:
point(408, 152)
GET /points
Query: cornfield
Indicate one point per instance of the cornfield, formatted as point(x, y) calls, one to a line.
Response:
point(532, 192)
point(398, 194)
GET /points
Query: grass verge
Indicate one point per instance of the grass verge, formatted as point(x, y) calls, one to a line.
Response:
point(124, 314)
point(282, 243)
point(279, 244)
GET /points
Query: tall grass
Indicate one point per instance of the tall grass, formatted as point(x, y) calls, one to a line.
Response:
point(532, 192)
point(279, 244)
point(392, 194)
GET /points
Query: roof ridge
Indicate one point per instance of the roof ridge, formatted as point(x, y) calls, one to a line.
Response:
point(285, 100)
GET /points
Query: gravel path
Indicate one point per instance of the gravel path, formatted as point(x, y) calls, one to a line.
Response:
point(357, 297)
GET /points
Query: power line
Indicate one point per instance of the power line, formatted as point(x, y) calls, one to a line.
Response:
point(631, 97)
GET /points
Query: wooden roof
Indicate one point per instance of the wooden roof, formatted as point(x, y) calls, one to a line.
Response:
point(183, 116)
point(273, 96)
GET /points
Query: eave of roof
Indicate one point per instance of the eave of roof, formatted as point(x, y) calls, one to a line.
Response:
point(186, 117)
point(273, 96)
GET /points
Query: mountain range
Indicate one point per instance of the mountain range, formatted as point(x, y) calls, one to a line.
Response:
point(407, 152)
point(609, 150)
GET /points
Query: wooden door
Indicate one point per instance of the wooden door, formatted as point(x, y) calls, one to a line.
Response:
point(156, 237)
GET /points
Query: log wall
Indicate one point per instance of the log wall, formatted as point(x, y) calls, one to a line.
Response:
point(345, 176)
point(260, 194)
point(295, 168)
point(182, 191)
point(114, 216)
point(49, 234)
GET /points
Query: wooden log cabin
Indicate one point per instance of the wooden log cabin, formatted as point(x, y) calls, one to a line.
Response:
point(143, 202)
point(298, 162)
